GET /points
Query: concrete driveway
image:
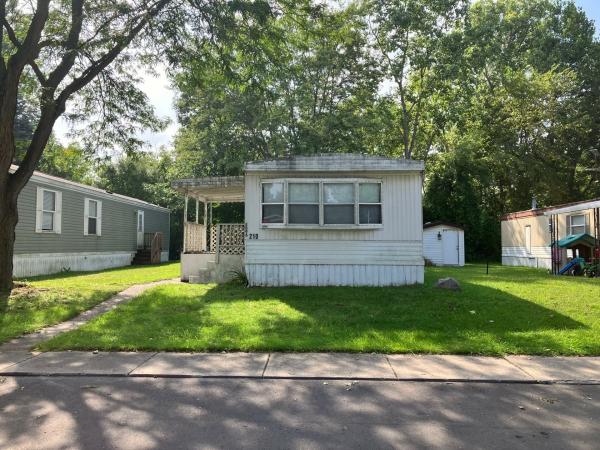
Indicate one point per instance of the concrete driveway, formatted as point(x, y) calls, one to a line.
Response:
point(142, 413)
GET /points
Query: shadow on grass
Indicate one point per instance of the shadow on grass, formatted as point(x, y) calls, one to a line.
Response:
point(67, 274)
point(478, 320)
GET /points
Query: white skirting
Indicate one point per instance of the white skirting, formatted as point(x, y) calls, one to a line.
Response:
point(30, 265)
point(333, 275)
point(164, 256)
point(538, 257)
point(538, 263)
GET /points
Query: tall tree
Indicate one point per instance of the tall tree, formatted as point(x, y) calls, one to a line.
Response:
point(308, 86)
point(409, 38)
point(62, 50)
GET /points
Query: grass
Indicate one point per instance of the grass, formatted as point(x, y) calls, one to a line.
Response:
point(509, 311)
point(43, 301)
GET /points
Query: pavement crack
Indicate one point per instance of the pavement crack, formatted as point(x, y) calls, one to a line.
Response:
point(391, 367)
point(142, 363)
point(266, 364)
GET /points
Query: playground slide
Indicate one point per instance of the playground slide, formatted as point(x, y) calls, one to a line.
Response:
point(570, 265)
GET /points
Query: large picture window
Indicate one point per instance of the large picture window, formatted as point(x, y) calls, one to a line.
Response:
point(322, 203)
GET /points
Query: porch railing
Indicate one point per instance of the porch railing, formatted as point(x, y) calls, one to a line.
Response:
point(194, 238)
point(223, 238)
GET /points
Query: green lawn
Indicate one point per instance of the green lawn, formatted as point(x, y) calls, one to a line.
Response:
point(51, 299)
point(512, 310)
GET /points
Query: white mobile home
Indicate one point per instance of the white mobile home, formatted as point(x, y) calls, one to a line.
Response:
point(444, 244)
point(337, 219)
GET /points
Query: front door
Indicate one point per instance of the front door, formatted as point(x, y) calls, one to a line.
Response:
point(140, 229)
point(450, 247)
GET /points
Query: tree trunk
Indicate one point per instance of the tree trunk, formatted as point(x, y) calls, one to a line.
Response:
point(8, 221)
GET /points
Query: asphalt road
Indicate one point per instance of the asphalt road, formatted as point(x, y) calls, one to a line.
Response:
point(142, 413)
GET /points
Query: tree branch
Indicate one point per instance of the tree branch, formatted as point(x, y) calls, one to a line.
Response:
point(38, 73)
point(70, 45)
point(10, 33)
point(51, 110)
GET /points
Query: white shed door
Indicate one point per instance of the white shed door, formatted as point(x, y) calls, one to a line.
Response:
point(450, 246)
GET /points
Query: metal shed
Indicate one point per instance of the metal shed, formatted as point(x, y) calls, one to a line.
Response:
point(444, 244)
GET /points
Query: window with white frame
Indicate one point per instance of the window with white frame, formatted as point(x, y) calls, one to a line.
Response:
point(325, 203)
point(577, 224)
point(92, 220)
point(48, 211)
point(272, 202)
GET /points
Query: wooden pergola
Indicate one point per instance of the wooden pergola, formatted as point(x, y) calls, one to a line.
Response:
point(207, 190)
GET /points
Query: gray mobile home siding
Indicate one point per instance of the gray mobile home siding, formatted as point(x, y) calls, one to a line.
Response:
point(118, 234)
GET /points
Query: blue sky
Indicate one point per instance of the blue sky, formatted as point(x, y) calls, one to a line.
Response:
point(161, 95)
point(592, 9)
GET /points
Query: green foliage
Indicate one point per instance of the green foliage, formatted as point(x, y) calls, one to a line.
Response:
point(300, 89)
point(70, 162)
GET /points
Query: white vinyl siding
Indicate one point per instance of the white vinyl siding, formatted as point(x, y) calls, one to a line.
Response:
point(390, 253)
point(48, 211)
point(92, 217)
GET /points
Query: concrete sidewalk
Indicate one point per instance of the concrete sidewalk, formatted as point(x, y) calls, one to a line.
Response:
point(344, 366)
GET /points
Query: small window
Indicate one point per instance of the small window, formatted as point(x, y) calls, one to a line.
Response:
point(528, 239)
point(92, 224)
point(577, 224)
point(48, 211)
point(303, 199)
point(338, 203)
point(369, 208)
point(93, 217)
point(272, 203)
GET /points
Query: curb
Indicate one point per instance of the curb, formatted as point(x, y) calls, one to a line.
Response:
point(299, 378)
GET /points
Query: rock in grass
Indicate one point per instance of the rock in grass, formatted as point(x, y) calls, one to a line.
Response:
point(448, 283)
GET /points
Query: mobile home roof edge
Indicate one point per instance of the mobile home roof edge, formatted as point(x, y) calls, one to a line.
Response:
point(556, 209)
point(336, 162)
point(40, 177)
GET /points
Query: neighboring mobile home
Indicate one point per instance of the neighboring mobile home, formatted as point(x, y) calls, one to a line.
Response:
point(527, 235)
point(336, 219)
point(65, 225)
point(444, 244)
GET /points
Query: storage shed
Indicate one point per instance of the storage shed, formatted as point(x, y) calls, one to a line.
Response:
point(323, 220)
point(444, 244)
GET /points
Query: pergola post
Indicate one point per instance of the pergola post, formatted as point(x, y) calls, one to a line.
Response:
point(205, 218)
point(185, 218)
point(197, 207)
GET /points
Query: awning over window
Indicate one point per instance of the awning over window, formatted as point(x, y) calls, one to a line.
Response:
point(577, 239)
point(212, 189)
